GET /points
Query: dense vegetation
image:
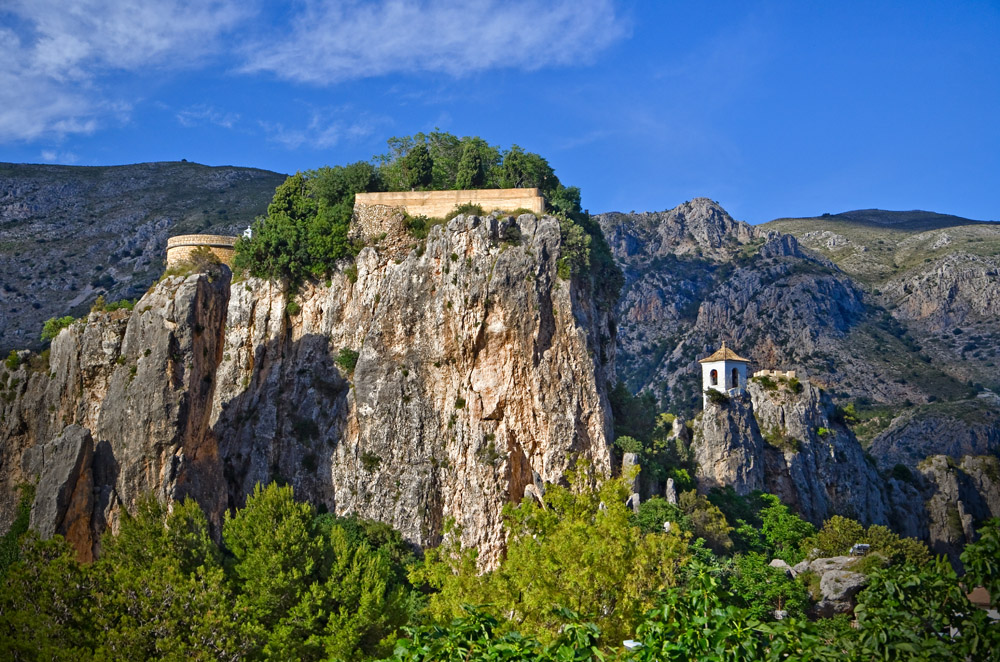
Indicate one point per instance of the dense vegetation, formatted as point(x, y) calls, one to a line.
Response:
point(582, 574)
point(305, 232)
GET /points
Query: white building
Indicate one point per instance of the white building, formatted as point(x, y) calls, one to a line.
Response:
point(725, 371)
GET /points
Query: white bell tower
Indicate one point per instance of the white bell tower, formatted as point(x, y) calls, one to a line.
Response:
point(724, 371)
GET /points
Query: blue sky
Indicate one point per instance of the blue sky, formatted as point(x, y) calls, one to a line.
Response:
point(771, 108)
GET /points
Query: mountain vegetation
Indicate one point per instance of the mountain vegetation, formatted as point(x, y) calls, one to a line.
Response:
point(305, 232)
point(580, 577)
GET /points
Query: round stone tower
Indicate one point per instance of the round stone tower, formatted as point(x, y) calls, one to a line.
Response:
point(181, 247)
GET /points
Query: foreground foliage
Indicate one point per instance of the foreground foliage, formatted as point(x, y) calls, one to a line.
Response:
point(579, 579)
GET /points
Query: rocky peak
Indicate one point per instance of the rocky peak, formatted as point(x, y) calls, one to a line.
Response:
point(698, 227)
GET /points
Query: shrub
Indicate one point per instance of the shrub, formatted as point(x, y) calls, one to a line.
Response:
point(628, 444)
point(292, 307)
point(101, 306)
point(347, 359)
point(54, 325)
point(370, 461)
point(459, 402)
point(717, 397)
point(465, 209)
point(12, 361)
point(766, 382)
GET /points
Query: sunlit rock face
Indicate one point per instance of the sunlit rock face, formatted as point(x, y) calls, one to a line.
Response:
point(430, 380)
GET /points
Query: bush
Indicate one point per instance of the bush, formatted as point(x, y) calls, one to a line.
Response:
point(347, 359)
point(717, 397)
point(12, 361)
point(54, 325)
point(628, 444)
point(465, 209)
point(101, 306)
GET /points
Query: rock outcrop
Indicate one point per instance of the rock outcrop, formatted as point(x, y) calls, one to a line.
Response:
point(813, 461)
point(442, 379)
point(728, 448)
point(780, 437)
point(65, 491)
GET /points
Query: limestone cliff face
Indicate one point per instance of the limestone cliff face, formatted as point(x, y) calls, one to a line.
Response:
point(782, 440)
point(120, 411)
point(814, 462)
point(728, 448)
point(478, 371)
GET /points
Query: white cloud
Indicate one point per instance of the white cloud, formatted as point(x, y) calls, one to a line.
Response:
point(203, 114)
point(332, 41)
point(53, 81)
point(325, 129)
point(55, 156)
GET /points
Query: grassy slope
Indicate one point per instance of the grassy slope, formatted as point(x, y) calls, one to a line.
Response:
point(874, 245)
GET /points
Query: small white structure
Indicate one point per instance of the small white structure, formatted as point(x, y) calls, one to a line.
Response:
point(724, 371)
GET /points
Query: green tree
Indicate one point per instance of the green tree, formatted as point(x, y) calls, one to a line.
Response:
point(783, 530)
point(574, 553)
point(982, 560)
point(159, 589)
point(707, 521)
point(303, 235)
point(418, 167)
point(46, 604)
point(471, 173)
point(312, 588)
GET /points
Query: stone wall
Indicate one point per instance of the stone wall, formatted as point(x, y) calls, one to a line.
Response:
point(786, 374)
point(181, 247)
point(438, 204)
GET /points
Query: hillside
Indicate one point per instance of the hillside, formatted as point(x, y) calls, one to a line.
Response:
point(695, 277)
point(927, 416)
point(937, 275)
point(69, 234)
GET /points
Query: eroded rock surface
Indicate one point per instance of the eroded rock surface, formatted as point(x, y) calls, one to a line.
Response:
point(442, 379)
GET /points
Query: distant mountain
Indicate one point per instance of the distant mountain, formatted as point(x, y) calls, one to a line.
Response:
point(896, 314)
point(68, 234)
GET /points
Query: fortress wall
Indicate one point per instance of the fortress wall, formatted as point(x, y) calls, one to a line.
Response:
point(438, 204)
point(787, 374)
point(181, 247)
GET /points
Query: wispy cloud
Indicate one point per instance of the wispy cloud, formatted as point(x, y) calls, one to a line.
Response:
point(325, 129)
point(331, 41)
point(58, 53)
point(203, 114)
point(55, 156)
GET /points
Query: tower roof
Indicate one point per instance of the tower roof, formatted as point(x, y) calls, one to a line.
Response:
point(724, 354)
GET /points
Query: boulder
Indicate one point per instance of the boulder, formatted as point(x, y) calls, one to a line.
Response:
point(65, 490)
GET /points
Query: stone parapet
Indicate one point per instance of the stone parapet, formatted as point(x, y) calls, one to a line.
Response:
point(786, 374)
point(181, 247)
point(438, 204)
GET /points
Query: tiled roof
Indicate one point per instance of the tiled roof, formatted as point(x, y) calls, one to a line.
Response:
point(724, 354)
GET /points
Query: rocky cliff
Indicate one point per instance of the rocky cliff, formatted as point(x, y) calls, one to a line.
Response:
point(429, 380)
point(782, 437)
point(696, 277)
